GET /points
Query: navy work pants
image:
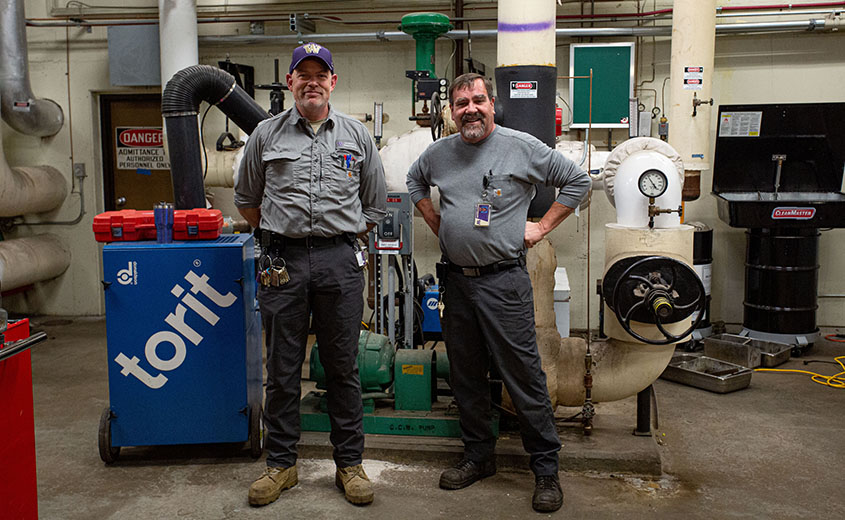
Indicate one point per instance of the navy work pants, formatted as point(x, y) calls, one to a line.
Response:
point(490, 319)
point(325, 282)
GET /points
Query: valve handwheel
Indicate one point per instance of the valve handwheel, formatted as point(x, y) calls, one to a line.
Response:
point(654, 289)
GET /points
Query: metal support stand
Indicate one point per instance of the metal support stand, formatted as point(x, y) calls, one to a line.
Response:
point(644, 412)
point(588, 411)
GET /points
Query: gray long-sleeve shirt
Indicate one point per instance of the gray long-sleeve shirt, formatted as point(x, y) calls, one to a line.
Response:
point(306, 184)
point(512, 162)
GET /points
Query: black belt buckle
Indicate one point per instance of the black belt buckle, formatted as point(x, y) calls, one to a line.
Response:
point(472, 272)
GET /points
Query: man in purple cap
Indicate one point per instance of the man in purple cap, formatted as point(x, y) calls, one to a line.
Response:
point(312, 180)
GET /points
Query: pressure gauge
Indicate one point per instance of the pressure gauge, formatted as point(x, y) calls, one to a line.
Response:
point(652, 183)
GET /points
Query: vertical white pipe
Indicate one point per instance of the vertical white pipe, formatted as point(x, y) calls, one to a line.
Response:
point(177, 32)
point(693, 45)
point(526, 33)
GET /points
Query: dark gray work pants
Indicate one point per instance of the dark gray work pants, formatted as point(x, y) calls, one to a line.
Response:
point(327, 283)
point(491, 319)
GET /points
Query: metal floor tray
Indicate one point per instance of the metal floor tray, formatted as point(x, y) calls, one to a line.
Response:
point(707, 373)
point(746, 351)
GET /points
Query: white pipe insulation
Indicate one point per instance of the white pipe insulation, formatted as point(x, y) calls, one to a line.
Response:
point(27, 260)
point(19, 107)
point(177, 32)
point(691, 79)
point(526, 33)
point(29, 189)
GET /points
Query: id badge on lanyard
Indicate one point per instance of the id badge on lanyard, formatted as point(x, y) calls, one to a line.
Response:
point(482, 209)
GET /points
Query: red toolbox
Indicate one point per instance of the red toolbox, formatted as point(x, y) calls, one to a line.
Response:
point(18, 486)
point(124, 225)
point(133, 225)
point(197, 224)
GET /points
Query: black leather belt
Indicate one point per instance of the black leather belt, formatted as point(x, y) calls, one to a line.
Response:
point(273, 240)
point(483, 270)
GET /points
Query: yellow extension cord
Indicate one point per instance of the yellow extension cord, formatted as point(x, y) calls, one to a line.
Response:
point(834, 381)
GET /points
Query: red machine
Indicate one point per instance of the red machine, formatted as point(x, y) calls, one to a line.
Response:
point(18, 490)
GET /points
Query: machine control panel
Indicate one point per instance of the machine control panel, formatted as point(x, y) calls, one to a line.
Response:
point(394, 234)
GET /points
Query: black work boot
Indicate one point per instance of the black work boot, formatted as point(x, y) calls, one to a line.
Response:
point(466, 472)
point(548, 496)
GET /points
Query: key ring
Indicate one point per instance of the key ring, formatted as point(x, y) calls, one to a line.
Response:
point(273, 263)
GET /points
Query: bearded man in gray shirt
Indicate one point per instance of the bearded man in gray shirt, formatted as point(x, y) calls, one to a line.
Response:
point(486, 176)
point(312, 178)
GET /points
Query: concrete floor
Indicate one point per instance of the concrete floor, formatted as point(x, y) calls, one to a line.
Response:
point(773, 450)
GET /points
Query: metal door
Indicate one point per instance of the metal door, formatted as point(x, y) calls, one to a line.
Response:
point(136, 171)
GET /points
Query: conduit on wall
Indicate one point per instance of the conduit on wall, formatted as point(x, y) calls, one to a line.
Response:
point(20, 109)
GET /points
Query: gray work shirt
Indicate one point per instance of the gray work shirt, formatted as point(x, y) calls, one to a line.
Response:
point(306, 184)
point(512, 162)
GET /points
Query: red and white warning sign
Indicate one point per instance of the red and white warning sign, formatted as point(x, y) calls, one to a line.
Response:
point(141, 148)
point(693, 78)
point(523, 90)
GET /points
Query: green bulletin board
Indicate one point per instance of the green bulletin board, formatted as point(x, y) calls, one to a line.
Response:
point(613, 83)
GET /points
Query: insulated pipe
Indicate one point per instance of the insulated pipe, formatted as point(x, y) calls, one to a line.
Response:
point(180, 104)
point(588, 32)
point(24, 261)
point(526, 76)
point(29, 189)
point(690, 81)
point(177, 34)
point(18, 105)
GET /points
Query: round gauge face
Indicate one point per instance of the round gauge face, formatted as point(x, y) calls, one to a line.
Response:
point(652, 183)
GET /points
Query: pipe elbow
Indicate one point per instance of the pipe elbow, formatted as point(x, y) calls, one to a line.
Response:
point(192, 85)
point(36, 117)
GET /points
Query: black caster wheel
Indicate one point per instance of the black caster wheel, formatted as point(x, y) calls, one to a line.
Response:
point(108, 453)
point(256, 431)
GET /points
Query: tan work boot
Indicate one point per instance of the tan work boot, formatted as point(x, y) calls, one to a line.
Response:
point(270, 485)
point(355, 484)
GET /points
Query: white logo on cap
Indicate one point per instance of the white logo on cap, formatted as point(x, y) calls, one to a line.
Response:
point(312, 48)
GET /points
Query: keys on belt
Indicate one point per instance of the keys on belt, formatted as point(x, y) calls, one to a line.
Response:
point(483, 270)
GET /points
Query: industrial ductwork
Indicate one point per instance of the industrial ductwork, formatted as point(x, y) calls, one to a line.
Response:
point(24, 261)
point(180, 106)
point(20, 109)
point(29, 189)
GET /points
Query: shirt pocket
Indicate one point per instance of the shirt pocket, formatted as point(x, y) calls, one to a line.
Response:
point(343, 171)
point(501, 190)
point(284, 169)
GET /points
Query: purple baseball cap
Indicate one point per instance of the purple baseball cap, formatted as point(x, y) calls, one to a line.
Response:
point(311, 50)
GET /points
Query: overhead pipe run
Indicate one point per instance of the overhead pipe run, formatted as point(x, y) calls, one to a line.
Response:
point(462, 34)
point(19, 107)
point(25, 261)
point(180, 105)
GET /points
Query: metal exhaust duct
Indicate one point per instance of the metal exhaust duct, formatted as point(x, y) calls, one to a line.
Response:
point(18, 105)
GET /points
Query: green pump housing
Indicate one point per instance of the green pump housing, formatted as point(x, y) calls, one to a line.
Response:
point(375, 363)
point(425, 28)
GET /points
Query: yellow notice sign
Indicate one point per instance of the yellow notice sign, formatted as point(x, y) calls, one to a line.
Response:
point(416, 370)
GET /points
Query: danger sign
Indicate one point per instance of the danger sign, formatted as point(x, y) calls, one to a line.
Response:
point(693, 78)
point(141, 148)
point(523, 89)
